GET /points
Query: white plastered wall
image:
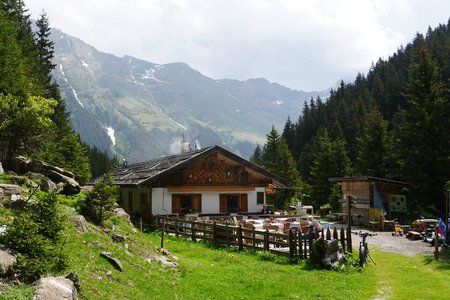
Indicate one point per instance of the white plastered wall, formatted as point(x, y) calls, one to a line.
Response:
point(162, 201)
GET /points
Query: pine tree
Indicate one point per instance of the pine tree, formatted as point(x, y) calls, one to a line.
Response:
point(373, 146)
point(425, 129)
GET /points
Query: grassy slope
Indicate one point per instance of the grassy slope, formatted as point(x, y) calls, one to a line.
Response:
point(208, 273)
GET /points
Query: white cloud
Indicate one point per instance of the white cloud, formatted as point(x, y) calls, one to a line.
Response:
point(308, 44)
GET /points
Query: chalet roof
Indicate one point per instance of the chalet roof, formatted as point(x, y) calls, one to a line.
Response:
point(366, 178)
point(141, 173)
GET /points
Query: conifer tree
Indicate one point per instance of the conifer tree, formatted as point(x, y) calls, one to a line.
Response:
point(425, 129)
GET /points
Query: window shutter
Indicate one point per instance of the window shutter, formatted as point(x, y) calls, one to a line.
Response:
point(223, 203)
point(175, 204)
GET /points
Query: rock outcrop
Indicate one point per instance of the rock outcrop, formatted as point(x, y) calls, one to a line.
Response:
point(55, 288)
point(51, 176)
point(80, 223)
point(7, 260)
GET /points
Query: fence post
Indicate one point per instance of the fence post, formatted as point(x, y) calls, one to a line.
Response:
point(335, 234)
point(162, 233)
point(292, 245)
point(157, 221)
point(140, 224)
point(193, 238)
point(214, 233)
point(241, 246)
point(266, 240)
point(328, 235)
point(342, 237)
point(299, 236)
point(176, 226)
point(310, 239)
point(349, 241)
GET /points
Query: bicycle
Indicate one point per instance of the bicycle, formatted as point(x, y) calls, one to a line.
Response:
point(364, 248)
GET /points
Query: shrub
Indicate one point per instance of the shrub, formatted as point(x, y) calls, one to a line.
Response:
point(100, 202)
point(36, 234)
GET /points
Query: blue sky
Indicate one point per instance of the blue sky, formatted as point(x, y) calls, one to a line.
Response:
point(302, 44)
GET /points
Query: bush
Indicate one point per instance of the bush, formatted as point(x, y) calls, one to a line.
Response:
point(36, 234)
point(100, 202)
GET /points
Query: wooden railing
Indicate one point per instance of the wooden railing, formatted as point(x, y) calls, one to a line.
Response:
point(293, 244)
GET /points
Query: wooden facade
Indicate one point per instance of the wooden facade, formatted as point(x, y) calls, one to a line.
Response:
point(206, 181)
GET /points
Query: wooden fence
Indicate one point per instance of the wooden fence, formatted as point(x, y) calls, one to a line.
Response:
point(294, 244)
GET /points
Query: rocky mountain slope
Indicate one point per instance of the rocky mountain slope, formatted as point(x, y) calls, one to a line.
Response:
point(140, 110)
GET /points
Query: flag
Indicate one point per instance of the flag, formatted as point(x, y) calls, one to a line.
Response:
point(441, 228)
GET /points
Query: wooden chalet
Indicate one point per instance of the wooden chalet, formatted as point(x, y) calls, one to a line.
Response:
point(377, 199)
point(206, 181)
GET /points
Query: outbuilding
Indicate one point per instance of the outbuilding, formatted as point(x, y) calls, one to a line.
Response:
point(376, 201)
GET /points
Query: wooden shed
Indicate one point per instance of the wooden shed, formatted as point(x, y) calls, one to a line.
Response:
point(377, 199)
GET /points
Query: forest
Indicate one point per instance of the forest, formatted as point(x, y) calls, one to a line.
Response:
point(392, 123)
point(33, 117)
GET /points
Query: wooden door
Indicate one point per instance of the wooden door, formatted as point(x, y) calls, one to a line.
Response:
point(197, 203)
point(243, 203)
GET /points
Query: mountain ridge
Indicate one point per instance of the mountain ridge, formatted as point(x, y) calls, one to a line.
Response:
point(139, 110)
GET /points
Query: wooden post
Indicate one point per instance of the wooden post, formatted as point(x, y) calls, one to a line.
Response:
point(300, 243)
point(214, 233)
point(176, 226)
point(342, 239)
point(162, 233)
point(436, 243)
point(292, 245)
point(240, 243)
point(305, 245)
point(140, 224)
point(193, 238)
point(310, 240)
point(328, 235)
point(349, 241)
point(349, 227)
point(266, 240)
point(335, 233)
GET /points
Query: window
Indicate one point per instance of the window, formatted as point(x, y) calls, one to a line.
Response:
point(186, 203)
point(260, 198)
point(233, 203)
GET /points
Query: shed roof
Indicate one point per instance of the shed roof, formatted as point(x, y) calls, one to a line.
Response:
point(366, 178)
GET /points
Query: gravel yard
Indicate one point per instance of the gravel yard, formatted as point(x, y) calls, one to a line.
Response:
point(384, 241)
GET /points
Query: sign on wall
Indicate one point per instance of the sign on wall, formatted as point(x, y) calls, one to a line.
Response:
point(397, 203)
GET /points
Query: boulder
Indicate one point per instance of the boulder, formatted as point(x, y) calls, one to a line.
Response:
point(331, 256)
point(80, 223)
point(118, 238)
point(121, 213)
point(55, 288)
point(113, 261)
point(16, 202)
point(44, 182)
point(7, 260)
point(1, 168)
point(22, 165)
point(71, 186)
point(11, 189)
point(318, 250)
point(164, 261)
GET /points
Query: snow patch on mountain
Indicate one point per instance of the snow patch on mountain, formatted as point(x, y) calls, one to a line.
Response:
point(110, 132)
point(76, 97)
point(278, 102)
point(185, 128)
point(61, 69)
point(84, 64)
